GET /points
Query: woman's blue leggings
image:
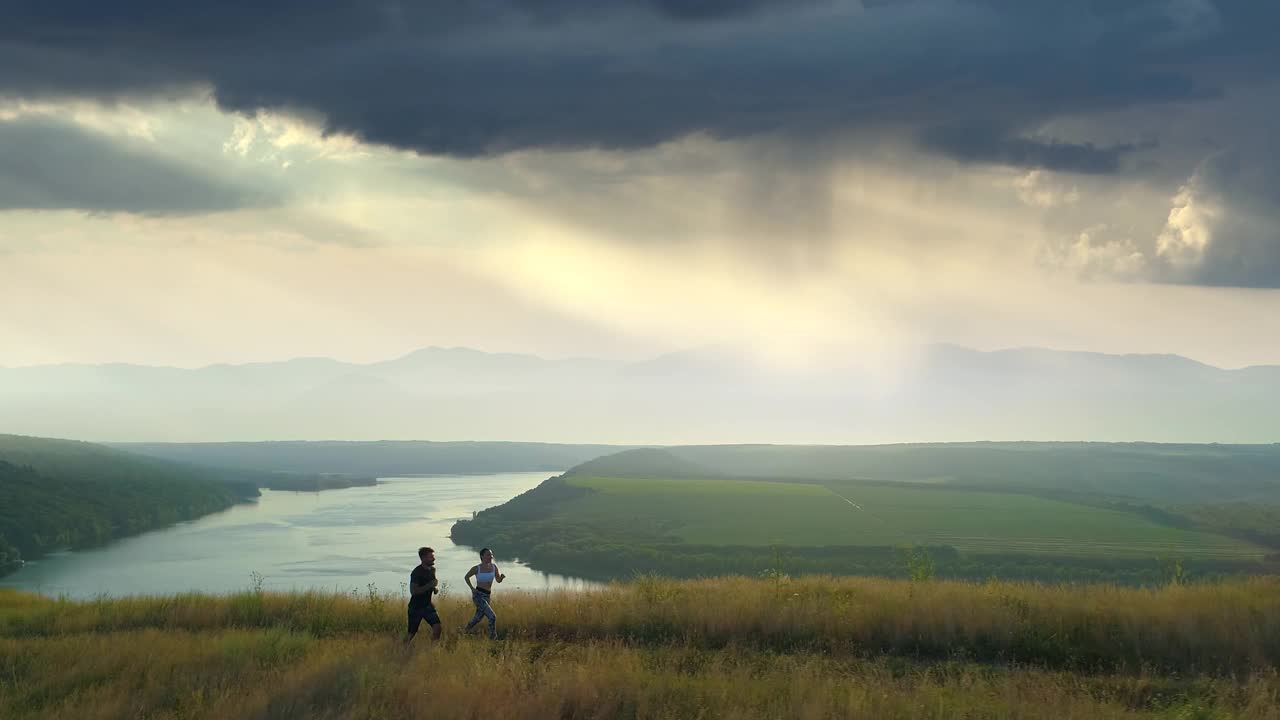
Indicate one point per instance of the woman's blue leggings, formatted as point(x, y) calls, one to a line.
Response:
point(483, 610)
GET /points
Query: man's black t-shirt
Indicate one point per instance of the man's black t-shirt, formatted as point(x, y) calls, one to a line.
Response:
point(421, 576)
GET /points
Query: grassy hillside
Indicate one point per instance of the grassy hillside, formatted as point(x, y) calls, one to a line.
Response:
point(564, 526)
point(1049, 511)
point(384, 458)
point(821, 647)
point(1185, 474)
point(57, 494)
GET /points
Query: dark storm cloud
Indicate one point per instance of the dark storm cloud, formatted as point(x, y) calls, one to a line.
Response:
point(1246, 253)
point(1245, 247)
point(471, 78)
point(980, 81)
point(52, 166)
point(985, 145)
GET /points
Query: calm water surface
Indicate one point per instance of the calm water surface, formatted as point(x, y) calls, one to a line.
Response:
point(333, 540)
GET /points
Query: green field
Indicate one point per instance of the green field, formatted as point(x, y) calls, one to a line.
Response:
point(744, 512)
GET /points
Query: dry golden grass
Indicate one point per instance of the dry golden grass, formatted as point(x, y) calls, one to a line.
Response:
point(732, 648)
point(1215, 628)
point(281, 674)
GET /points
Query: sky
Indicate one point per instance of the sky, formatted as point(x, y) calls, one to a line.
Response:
point(192, 183)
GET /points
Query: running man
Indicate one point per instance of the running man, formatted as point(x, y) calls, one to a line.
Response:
point(422, 585)
point(484, 573)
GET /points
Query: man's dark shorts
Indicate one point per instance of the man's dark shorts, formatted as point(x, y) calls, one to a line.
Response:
point(417, 615)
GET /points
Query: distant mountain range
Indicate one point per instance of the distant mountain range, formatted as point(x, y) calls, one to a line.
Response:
point(942, 393)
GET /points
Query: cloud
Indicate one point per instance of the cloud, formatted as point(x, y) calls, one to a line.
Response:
point(1189, 231)
point(46, 164)
point(987, 146)
point(1224, 224)
point(1038, 189)
point(1094, 256)
point(1071, 94)
point(478, 78)
point(1217, 227)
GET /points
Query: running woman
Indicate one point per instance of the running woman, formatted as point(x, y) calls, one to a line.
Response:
point(484, 573)
point(422, 585)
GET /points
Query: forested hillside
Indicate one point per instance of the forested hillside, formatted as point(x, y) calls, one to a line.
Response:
point(57, 494)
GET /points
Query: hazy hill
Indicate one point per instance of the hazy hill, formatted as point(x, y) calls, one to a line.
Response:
point(940, 393)
point(385, 458)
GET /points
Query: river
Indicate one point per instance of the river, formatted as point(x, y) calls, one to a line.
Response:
point(335, 540)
